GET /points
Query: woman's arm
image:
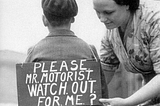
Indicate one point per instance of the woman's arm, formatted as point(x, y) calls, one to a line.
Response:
point(109, 60)
point(149, 91)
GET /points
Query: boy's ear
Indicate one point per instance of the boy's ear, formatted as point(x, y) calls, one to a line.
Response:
point(45, 21)
point(72, 20)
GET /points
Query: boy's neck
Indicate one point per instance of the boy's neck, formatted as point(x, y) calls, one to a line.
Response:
point(51, 29)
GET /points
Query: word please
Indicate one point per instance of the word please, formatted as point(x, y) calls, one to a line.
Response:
point(54, 66)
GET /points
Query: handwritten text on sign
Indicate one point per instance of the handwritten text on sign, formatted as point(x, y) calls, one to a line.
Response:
point(60, 83)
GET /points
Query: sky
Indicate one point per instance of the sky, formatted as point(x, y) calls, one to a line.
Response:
point(21, 24)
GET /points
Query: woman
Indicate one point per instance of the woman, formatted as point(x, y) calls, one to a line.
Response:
point(132, 39)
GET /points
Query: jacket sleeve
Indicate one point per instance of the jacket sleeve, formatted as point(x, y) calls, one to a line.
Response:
point(29, 55)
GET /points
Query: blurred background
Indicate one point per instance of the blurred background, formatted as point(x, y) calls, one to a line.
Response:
point(21, 27)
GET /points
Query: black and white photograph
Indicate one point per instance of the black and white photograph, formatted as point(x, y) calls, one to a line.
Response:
point(79, 52)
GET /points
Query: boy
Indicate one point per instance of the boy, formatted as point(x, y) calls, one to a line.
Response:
point(61, 43)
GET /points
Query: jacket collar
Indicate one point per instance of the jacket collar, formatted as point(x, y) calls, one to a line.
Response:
point(61, 32)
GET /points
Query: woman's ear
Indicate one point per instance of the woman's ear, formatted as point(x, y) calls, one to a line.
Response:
point(127, 7)
point(45, 21)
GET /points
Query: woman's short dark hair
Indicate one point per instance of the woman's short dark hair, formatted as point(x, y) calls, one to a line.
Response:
point(133, 4)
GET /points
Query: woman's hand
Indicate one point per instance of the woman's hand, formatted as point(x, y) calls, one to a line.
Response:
point(113, 102)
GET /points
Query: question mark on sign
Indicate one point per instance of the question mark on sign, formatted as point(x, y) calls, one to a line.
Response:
point(93, 98)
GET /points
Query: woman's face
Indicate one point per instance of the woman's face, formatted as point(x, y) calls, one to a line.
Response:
point(111, 14)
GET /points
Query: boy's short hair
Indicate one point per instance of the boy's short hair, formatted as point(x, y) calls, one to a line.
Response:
point(59, 11)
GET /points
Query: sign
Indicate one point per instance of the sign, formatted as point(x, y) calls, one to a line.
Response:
point(59, 83)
